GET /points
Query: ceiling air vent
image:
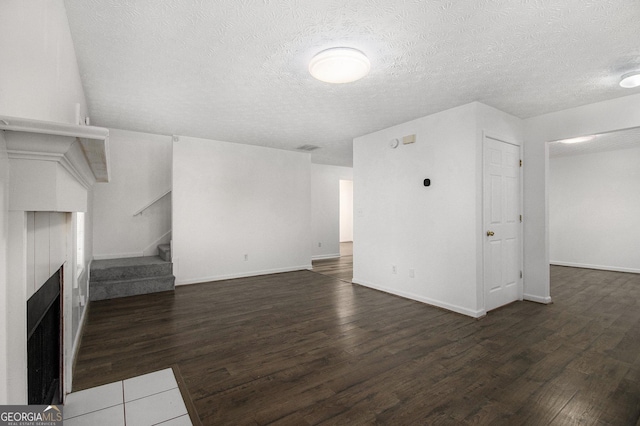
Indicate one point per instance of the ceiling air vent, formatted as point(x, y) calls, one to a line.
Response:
point(307, 148)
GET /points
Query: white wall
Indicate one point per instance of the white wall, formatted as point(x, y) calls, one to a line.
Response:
point(232, 200)
point(400, 222)
point(594, 210)
point(4, 232)
point(39, 75)
point(435, 231)
point(346, 211)
point(325, 209)
point(140, 172)
point(600, 117)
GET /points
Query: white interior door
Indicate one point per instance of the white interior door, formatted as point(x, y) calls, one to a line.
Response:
point(501, 216)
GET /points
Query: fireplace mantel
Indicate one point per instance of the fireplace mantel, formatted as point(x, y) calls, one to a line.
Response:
point(53, 164)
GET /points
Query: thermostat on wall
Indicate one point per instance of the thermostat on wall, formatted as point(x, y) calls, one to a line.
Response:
point(393, 143)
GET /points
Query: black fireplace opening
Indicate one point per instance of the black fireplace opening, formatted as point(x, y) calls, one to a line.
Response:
point(44, 343)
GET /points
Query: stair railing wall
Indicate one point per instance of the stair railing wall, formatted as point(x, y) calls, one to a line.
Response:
point(152, 202)
point(152, 248)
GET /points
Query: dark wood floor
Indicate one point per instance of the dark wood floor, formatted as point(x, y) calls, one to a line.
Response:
point(304, 348)
point(341, 268)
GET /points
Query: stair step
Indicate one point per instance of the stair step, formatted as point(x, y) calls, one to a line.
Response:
point(129, 268)
point(164, 251)
point(101, 290)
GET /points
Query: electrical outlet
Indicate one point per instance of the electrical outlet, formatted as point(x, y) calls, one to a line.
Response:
point(246, 257)
point(394, 269)
point(412, 273)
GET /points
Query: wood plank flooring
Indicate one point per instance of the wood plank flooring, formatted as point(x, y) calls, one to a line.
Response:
point(304, 348)
point(341, 268)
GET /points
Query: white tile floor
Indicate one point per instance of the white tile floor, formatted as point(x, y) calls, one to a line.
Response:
point(151, 399)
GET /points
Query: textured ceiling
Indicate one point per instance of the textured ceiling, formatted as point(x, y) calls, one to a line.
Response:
point(623, 139)
point(236, 70)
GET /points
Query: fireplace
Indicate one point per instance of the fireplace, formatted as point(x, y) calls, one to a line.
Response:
point(44, 343)
point(53, 168)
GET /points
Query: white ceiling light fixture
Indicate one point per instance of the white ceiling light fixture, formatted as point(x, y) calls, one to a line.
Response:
point(630, 80)
point(339, 65)
point(578, 139)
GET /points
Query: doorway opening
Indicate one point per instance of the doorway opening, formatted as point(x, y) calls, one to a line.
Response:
point(346, 218)
point(341, 267)
point(593, 205)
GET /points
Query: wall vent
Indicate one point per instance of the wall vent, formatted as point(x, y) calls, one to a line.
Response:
point(307, 148)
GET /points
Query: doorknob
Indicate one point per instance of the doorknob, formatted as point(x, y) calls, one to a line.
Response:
point(490, 233)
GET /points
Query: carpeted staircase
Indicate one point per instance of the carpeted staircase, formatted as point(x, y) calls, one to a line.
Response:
point(130, 276)
point(164, 251)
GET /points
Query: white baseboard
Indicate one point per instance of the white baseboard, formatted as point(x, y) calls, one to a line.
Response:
point(407, 295)
point(326, 256)
point(76, 346)
point(241, 275)
point(538, 299)
point(76, 340)
point(599, 267)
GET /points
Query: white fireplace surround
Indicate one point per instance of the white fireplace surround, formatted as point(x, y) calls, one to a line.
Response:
point(52, 168)
point(81, 151)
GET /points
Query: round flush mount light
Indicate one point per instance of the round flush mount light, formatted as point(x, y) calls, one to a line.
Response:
point(339, 65)
point(630, 80)
point(578, 139)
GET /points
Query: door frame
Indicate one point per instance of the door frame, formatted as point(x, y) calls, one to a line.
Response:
point(510, 141)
